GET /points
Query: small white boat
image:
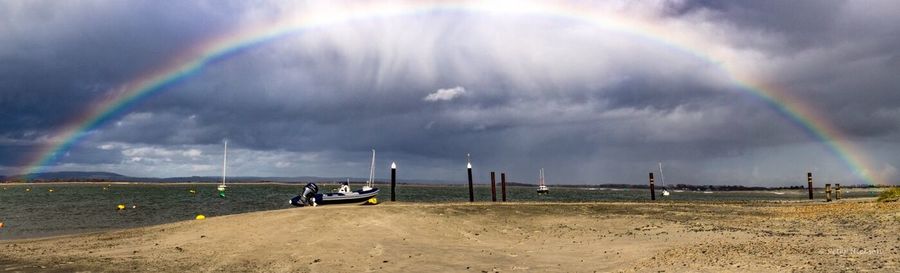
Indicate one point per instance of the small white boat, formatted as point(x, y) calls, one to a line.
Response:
point(542, 188)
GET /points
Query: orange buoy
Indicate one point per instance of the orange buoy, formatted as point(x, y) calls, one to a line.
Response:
point(1, 224)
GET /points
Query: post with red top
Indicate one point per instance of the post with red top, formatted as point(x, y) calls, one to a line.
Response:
point(493, 188)
point(393, 180)
point(809, 185)
point(652, 188)
point(503, 185)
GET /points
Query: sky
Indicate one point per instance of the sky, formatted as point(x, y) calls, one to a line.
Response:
point(518, 91)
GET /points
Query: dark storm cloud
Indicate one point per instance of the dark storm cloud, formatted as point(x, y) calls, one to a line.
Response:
point(59, 57)
point(590, 105)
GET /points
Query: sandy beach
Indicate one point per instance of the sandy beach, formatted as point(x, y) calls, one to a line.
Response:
point(852, 235)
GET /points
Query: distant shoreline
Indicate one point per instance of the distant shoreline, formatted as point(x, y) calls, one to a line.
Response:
point(724, 188)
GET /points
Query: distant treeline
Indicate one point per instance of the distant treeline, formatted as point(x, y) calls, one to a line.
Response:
point(101, 177)
point(688, 187)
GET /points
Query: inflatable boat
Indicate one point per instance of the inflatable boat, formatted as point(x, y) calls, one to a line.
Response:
point(358, 196)
point(311, 196)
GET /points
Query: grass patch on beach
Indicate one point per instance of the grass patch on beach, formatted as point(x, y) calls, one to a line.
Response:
point(890, 195)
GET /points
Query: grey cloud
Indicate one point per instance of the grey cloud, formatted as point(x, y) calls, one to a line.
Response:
point(590, 105)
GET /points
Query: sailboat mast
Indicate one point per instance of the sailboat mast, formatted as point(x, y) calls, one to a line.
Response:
point(542, 176)
point(224, 162)
point(662, 178)
point(371, 182)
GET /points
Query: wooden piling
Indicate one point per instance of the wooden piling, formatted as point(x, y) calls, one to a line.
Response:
point(809, 185)
point(652, 188)
point(827, 192)
point(471, 191)
point(493, 188)
point(393, 181)
point(837, 192)
point(503, 185)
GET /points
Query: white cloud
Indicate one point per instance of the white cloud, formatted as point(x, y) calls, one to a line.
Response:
point(446, 94)
point(192, 153)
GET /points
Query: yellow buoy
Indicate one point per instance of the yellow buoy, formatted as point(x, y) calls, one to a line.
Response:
point(50, 190)
point(372, 201)
point(27, 189)
point(200, 217)
point(192, 191)
point(120, 207)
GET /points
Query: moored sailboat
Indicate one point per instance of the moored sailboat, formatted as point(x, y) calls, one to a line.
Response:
point(662, 179)
point(222, 186)
point(542, 188)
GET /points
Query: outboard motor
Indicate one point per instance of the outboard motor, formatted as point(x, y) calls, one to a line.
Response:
point(308, 197)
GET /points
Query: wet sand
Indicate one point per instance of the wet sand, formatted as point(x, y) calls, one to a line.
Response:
point(850, 235)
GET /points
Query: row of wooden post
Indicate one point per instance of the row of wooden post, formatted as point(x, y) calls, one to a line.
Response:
point(809, 185)
point(493, 186)
point(471, 189)
point(837, 193)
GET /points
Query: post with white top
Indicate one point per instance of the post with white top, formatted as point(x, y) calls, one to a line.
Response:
point(471, 191)
point(393, 180)
point(809, 185)
point(652, 188)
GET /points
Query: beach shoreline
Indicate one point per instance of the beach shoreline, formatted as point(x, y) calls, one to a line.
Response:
point(851, 235)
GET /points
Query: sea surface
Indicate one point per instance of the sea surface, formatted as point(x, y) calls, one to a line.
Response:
point(38, 210)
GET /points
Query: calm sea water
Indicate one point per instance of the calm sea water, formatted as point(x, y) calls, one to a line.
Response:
point(75, 208)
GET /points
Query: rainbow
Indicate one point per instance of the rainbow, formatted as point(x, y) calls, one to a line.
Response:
point(194, 60)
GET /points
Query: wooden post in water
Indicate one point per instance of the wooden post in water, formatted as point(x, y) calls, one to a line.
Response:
point(652, 188)
point(837, 191)
point(827, 192)
point(493, 188)
point(503, 185)
point(471, 192)
point(809, 185)
point(393, 180)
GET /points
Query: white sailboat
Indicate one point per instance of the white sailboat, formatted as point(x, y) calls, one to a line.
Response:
point(662, 179)
point(222, 186)
point(542, 188)
point(371, 182)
